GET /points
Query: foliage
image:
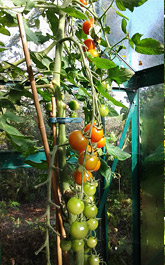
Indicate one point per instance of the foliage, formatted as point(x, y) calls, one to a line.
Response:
point(71, 67)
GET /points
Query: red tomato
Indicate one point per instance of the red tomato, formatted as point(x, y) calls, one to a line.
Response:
point(93, 52)
point(87, 176)
point(101, 143)
point(83, 2)
point(89, 43)
point(96, 134)
point(87, 25)
point(77, 140)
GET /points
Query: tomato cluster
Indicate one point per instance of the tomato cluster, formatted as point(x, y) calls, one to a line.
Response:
point(84, 208)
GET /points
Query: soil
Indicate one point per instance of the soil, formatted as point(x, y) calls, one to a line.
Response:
point(22, 232)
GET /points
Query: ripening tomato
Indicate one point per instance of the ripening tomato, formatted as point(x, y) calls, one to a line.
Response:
point(77, 140)
point(101, 143)
point(89, 150)
point(103, 110)
point(79, 230)
point(77, 244)
point(75, 206)
point(96, 134)
point(87, 25)
point(93, 52)
point(98, 165)
point(90, 211)
point(84, 2)
point(90, 44)
point(91, 160)
point(87, 176)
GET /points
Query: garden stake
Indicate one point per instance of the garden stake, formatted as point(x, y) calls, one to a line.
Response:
point(39, 114)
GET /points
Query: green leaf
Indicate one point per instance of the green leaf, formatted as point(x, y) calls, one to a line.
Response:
point(42, 166)
point(12, 117)
point(116, 152)
point(19, 2)
point(105, 94)
point(124, 26)
point(73, 12)
point(121, 15)
point(131, 4)
point(53, 20)
point(10, 130)
point(120, 75)
point(37, 59)
point(112, 112)
point(6, 103)
point(4, 31)
point(29, 5)
point(102, 63)
point(23, 144)
point(45, 94)
point(105, 171)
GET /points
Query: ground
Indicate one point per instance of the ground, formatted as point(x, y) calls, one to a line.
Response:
point(22, 233)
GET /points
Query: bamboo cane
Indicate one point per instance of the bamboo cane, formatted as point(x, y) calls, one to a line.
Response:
point(41, 122)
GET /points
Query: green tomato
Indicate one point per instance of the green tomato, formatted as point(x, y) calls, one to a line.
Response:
point(90, 211)
point(91, 242)
point(79, 230)
point(75, 206)
point(103, 110)
point(48, 107)
point(104, 84)
point(65, 244)
point(89, 188)
point(92, 224)
point(77, 245)
point(74, 115)
point(93, 260)
point(73, 105)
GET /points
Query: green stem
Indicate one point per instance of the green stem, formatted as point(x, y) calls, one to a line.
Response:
point(80, 257)
point(100, 18)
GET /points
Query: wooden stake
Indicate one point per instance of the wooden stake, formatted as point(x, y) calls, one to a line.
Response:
point(41, 125)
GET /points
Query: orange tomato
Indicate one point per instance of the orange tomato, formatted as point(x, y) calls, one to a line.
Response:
point(90, 162)
point(101, 143)
point(93, 52)
point(77, 140)
point(87, 25)
point(97, 166)
point(96, 134)
point(84, 2)
point(87, 176)
point(89, 43)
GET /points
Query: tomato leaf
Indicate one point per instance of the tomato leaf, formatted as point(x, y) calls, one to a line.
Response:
point(105, 171)
point(121, 15)
point(4, 31)
point(43, 165)
point(146, 46)
point(74, 13)
point(120, 75)
point(102, 63)
point(123, 4)
point(116, 152)
point(53, 21)
point(124, 25)
point(105, 94)
point(8, 128)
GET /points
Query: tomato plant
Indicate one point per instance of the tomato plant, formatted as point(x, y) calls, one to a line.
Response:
point(75, 206)
point(87, 176)
point(87, 25)
point(79, 230)
point(77, 140)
